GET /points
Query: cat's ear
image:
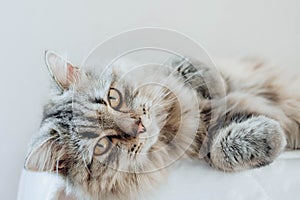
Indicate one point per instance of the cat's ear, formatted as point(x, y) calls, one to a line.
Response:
point(47, 156)
point(63, 72)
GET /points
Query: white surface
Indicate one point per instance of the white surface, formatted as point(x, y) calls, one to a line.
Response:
point(226, 28)
point(196, 180)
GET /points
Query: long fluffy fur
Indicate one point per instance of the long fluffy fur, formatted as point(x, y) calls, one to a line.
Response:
point(245, 127)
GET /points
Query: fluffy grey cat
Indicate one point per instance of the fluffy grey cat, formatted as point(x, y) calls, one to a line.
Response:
point(111, 137)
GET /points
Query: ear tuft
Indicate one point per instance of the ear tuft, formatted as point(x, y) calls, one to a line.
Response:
point(63, 72)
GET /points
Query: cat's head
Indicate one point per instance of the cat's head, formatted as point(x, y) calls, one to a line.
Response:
point(100, 129)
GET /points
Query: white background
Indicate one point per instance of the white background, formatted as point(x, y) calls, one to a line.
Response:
point(226, 28)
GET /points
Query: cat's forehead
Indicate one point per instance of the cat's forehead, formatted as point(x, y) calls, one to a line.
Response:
point(99, 82)
point(94, 83)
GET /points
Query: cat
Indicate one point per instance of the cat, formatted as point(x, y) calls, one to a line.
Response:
point(111, 137)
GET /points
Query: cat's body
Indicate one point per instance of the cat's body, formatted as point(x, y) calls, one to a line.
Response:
point(105, 149)
point(264, 89)
point(261, 117)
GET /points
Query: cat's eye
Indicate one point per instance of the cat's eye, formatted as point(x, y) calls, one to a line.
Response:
point(115, 98)
point(102, 146)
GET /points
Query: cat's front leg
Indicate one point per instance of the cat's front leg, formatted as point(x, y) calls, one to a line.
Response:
point(251, 143)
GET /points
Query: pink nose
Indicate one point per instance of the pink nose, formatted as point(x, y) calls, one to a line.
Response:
point(130, 126)
point(141, 128)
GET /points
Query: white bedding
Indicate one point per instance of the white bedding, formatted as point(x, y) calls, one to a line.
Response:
point(197, 181)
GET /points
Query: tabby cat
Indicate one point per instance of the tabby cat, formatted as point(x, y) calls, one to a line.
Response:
point(109, 136)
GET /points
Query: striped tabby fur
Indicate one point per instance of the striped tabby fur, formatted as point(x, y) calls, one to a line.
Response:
point(247, 127)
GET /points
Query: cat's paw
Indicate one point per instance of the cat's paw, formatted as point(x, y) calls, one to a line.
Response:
point(252, 143)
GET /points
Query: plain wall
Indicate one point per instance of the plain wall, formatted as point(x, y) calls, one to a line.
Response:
point(226, 28)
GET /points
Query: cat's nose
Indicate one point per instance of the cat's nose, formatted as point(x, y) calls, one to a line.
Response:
point(131, 126)
point(141, 128)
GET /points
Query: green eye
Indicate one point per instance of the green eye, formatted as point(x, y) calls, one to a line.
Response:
point(115, 98)
point(102, 146)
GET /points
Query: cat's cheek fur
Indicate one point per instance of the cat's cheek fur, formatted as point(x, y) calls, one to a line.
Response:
point(253, 143)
